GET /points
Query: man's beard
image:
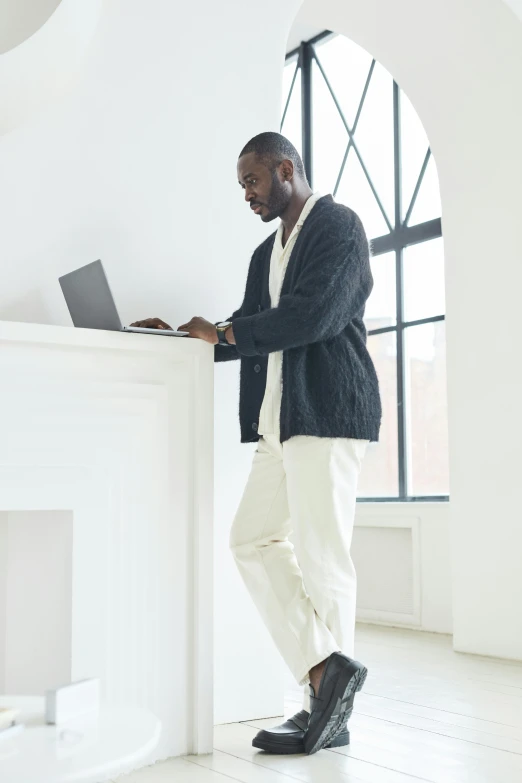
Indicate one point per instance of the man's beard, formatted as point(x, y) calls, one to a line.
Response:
point(278, 200)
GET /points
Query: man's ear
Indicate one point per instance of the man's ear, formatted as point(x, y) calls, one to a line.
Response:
point(287, 170)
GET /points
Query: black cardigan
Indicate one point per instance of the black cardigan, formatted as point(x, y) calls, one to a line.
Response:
point(330, 387)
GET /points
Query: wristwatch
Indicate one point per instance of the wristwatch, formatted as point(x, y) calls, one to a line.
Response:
point(221, 329)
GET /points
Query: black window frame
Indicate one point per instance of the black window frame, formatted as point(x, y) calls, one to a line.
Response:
point(400, 237)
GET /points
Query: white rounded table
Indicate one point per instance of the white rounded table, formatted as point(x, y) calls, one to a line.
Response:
point(90, 749)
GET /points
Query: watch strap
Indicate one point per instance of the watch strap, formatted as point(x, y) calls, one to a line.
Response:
point(221, 332)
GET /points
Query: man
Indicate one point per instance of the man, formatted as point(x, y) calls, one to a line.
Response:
point(310, 398)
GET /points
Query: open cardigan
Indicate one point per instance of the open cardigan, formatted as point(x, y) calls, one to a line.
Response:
point(330, 387)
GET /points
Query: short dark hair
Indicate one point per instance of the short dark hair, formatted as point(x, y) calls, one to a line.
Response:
point(272, 149)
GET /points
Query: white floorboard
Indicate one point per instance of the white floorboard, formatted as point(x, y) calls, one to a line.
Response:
point(426, 714)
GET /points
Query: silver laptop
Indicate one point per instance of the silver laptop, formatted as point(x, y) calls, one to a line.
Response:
point(91, 304)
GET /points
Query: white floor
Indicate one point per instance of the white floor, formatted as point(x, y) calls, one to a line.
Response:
point(426, 713)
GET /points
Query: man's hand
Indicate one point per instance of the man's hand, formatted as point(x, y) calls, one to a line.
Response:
point(201, 329)
point(152, 323)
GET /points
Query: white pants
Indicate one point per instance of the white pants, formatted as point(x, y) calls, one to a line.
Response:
point(306, 486)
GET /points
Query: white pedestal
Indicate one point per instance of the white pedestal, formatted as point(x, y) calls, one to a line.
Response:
point(90, 750)
point(111, 433)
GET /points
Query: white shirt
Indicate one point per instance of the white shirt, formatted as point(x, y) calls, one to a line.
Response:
point(271, 407)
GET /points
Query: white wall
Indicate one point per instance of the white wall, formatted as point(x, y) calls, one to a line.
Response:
point(461, 66)
point(430, 567)
point(35, 611)
point(45, 67)
point(136, 165)
point(20, 20)
point(302, 30)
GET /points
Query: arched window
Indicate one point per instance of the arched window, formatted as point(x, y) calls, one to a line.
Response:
point(362, 141)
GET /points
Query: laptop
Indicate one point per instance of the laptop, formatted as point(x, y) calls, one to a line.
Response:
point(91, 304)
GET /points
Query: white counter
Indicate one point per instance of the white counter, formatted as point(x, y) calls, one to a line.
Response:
point(106, 465)
point(87, 749)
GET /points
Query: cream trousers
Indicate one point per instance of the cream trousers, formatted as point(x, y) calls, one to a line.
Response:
point(306, 595)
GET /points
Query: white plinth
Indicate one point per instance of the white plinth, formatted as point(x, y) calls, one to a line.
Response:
point(113, 434)
point(90, 750)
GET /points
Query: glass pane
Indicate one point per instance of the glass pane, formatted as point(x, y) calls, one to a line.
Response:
point(381, 308)
point(414, 146)
point(355, 192)
point(374, 136)
point(424, 280)
point(292, 127)
point(380, 470)
point(346, 65)
point(288, 75)
point(426, 409)
point(427, 205)
point(328, 134)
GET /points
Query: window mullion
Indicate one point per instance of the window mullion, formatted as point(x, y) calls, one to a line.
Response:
point(305, 57)
point(401, 408)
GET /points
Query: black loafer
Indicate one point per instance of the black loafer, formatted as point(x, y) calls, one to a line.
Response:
point(333, 705)
point(289, 736)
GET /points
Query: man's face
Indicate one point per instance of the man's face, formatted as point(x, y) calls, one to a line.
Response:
point(267, 192)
